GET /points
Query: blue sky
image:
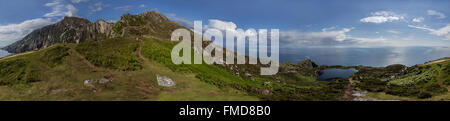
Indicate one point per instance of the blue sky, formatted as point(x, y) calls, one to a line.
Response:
point(349, 23)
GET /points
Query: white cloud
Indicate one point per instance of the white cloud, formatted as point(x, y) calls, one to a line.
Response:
point(124, 8)
point(382, 17)
point(79, 1)
point(423, 28)
point(53, 3)
point(227, 26)
point(221, 25)
point(96, 7)
point(442, 32)
point(436, 13)
point(394, 32)
point(418, 20)
point(13, 32)
point(326, 37)
point(338, 35)
point(72, 11)
point(182, 21)
point(142, 6)
point(59, 9)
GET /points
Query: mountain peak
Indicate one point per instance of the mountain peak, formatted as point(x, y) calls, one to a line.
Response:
point(76, 29)
point(145, 17)
point(72, 20)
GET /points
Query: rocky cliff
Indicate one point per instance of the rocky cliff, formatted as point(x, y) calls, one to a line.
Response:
point(76, 30)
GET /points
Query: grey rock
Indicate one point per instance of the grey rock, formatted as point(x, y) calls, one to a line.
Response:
point(165, 81)
point(68, 30)
point(76, 30)
point(104, 81)
point(89, 83)
point(249, 76)
point(266, 92)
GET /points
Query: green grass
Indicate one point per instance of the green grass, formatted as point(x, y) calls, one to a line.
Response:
point(63, 78)
point(159, 51)
point(117, 53)
point(417, 82)
point(307, 78)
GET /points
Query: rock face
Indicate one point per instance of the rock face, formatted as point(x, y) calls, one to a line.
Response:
point(165, 81)
point(68, 30)
point(308, 64)
point(306, 67)
point(76, 30)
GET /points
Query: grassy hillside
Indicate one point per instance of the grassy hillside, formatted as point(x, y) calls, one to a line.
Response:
point(132, 63)
point(38, 76)
point(421, 82)
point(222, 77)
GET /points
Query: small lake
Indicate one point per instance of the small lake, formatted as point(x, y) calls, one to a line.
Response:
point(331, 74)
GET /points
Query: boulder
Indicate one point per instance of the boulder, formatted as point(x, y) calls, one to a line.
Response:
point(104, 81)
point(266, 92)
point(89, 83)
point(249, 76)
point(165, 81)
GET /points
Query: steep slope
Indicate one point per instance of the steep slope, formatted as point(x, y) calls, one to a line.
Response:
point(131, 54)
point(68, 30)
point(76, 30)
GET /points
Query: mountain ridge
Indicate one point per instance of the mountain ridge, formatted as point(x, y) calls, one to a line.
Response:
point(76, 30)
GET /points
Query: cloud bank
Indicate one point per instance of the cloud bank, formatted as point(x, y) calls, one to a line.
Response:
point(382, 17)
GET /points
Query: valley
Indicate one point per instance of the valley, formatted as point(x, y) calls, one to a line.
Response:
point(123, 60)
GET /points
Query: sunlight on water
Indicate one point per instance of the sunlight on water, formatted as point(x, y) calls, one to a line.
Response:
point(365, 56)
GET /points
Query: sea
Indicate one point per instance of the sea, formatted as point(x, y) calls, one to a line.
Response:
point(376, 57)
point(3, 53)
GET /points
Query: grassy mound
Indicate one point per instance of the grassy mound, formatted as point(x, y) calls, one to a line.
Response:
point(420, 81)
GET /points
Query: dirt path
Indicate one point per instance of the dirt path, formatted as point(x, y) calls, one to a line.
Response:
point(138, 52)
point(349, 89)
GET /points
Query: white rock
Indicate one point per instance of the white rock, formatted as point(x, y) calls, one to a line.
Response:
point(165, 81)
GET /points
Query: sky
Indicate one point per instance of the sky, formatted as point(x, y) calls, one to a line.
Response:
point(321, 23)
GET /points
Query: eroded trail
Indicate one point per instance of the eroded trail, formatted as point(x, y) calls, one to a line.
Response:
point(349, 90)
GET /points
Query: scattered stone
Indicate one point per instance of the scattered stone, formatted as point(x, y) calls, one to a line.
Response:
point(165, 81)
point(104, 81)
point(278, 81)
point(89, 83)
point(249, 76)
point(93, 82)
point(359, 94)
point(267, 83)
point(266, 92)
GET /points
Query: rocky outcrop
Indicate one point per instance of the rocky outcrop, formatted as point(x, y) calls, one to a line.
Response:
point(93, 82)
point(76, 30)
point(68, 30)
point(306, 67)
point(165, 81)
